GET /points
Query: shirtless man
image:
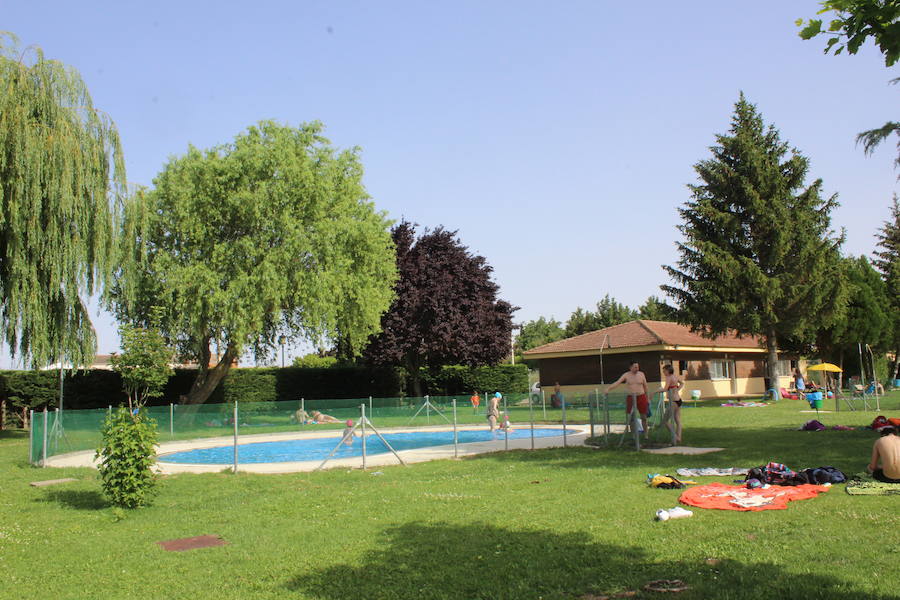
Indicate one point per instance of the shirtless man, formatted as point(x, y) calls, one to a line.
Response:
point(887, 451)
point(493, 410)
point(636, 384)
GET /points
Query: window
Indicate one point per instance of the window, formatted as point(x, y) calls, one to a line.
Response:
point(720, 369)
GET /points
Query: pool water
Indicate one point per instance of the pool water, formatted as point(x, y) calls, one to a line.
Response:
point(320, 448)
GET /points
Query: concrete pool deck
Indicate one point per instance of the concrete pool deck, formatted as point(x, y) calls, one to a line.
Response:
point(576, 436)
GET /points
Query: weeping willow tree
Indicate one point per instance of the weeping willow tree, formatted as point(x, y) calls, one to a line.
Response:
point(61, 171)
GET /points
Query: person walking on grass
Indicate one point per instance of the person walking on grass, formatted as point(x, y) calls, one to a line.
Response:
point(672, 388)
point(636, 383)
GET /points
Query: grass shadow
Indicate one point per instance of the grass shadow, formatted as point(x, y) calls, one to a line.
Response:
point(423, 561)
point(77, 499)
point(849, 451)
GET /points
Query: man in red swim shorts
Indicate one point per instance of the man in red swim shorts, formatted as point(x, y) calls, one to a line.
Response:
point(636, 383)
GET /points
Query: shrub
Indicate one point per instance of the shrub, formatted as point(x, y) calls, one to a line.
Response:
point(127, 457)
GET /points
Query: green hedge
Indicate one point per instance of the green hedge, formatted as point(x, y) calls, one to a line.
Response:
point(101, 388)
point(451, 380)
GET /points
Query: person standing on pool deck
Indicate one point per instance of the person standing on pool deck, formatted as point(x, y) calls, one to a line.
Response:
point(475, 399)
point(636, 383)
point(672, 388)
point(493, 410)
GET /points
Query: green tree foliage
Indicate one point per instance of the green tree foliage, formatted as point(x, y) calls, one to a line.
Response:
point(315, 361)
point(144, 363)
point(126, 458)
point(854, 22)
point(446, 310)
point(887, 262)
point(867, 319)
point(61, 173)
point(537, 333)
point(655, 309)
point(758, 255)
point(270, 235)
point(609, 312)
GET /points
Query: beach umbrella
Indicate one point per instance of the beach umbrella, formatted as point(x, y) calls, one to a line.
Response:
point(825, 367)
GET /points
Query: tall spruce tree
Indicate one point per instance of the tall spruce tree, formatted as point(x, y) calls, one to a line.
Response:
point(758, 255)
point(887, 262)
point(61, 172)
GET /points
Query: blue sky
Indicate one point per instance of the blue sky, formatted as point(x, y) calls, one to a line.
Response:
point(558, 139)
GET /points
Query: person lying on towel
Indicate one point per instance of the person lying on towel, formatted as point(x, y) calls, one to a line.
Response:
point(886, 451)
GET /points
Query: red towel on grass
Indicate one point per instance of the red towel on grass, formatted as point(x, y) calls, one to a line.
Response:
point(739, 497)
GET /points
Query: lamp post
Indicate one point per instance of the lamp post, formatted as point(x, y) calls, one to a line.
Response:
point(282, 340)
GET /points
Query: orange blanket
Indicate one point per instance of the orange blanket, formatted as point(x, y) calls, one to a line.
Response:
point(739, 497)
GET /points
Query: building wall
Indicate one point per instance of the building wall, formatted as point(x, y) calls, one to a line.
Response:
point(580, 375)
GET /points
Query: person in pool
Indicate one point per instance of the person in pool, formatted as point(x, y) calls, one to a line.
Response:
point(348, 434)
point(493, 410)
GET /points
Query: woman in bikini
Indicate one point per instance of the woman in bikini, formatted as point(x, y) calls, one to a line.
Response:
point(672, 387)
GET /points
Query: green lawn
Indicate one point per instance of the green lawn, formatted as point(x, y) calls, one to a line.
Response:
point(556, 523)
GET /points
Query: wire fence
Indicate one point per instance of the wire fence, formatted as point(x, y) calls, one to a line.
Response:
point(608, 424)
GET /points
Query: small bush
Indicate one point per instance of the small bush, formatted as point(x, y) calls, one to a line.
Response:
point(127, 457)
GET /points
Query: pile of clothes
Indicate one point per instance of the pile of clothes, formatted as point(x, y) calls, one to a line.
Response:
point(778, 474)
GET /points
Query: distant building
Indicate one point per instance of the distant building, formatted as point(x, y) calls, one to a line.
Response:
point(725, 366)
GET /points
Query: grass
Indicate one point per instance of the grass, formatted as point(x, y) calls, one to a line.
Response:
point(556, 523)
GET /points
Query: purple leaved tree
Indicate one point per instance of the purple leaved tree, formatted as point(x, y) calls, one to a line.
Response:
point(446, 310)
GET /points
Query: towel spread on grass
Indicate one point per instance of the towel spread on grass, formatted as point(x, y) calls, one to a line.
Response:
point(744, 404)
point(712, 472)
point(862, 484)
point(738, 497)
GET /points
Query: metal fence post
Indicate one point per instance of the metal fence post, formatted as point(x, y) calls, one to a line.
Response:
point(635, 424)
point(44, 455)
point(531, 418)
point(591, 409)
point(455, 437)
point(171, 420)
point(31, 438)
point(565, 433)
point(506, 429)
point(235, 436)
point(427, 410)
point(362, 425)
point(370, 406)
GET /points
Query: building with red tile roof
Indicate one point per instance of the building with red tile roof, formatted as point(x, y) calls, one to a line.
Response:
point(724, 366)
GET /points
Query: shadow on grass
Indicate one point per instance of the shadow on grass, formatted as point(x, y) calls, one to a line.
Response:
point(77, 499)
point(743, 447)
point(13, 434)
point(420, 561)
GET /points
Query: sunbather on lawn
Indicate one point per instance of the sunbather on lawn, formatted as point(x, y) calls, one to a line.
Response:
point(886, 450)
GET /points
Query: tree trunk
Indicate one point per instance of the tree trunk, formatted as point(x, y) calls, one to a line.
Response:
point(207, 379)
point(772, 361)
point(413, 368)
point(840, 376)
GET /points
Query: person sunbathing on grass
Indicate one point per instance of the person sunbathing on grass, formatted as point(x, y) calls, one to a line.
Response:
point(318, 417)
point(886, 450)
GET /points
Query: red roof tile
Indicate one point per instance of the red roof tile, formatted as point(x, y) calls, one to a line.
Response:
point(635, 334)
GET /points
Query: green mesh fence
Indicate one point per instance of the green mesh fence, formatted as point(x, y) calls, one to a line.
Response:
point(79, 430)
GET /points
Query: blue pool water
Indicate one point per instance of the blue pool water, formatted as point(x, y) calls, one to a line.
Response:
point(319, 448)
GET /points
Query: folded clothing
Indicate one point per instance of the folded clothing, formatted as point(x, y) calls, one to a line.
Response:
point(712, 472)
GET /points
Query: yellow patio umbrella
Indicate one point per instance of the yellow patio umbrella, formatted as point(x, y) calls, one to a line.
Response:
point(825, 367)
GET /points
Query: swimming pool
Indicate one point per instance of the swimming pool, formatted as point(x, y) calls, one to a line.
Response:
point(319, 448)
